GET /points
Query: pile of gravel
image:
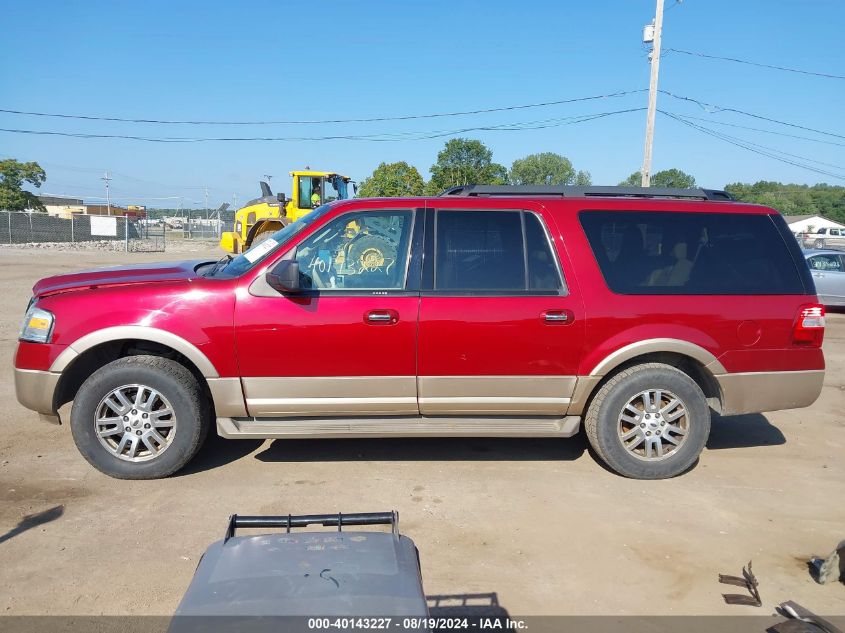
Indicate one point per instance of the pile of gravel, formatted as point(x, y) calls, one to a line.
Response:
point(93, 245)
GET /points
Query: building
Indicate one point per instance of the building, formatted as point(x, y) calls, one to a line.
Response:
point(62, 207)
point(810, 223)
point(104, 209)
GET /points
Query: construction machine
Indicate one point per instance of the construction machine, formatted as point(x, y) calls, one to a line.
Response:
point(261, 217)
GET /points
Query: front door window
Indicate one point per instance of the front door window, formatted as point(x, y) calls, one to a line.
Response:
point(358, 251)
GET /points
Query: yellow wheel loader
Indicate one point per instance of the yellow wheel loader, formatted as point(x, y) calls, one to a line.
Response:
point(261, 217)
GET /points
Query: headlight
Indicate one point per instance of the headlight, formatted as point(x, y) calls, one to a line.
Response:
point(37, 325)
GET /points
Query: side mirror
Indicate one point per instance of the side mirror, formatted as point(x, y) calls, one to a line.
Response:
point(284, 277)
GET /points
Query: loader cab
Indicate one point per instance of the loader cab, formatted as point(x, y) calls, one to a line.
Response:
point(313, 189)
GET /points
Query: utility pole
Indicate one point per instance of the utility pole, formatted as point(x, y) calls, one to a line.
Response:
point(206, 202)
point(107, 178)
point(652, 92)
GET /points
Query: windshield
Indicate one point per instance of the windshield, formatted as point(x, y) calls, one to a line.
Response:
point(260, 251)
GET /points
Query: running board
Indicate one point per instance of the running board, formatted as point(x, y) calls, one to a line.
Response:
point(411, 426)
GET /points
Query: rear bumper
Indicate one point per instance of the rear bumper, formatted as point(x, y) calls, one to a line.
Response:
point(754, 392)
point(35, 389)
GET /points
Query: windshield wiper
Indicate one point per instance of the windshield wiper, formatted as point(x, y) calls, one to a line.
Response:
point(220, 265)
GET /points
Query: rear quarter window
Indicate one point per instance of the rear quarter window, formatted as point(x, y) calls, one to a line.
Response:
point(669, 253)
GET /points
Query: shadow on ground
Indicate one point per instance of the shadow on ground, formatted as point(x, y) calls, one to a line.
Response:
point(740, 431)
point(425, 449)
point(743, 431)
point(33, 520)
point(466, 605)
point(218, 451)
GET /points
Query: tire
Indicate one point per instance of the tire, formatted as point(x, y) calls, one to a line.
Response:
point(260, 237)
point(143, 456)
point(818, 244)
point(609, 420)
point(371, 253)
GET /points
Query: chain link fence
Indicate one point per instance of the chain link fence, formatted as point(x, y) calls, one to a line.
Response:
point(199, 225)
point(96, 231)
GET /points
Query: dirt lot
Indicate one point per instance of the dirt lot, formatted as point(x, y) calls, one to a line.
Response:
point(538, 522)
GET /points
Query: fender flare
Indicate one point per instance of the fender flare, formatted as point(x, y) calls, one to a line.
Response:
point(656, 345)
point(136, 332)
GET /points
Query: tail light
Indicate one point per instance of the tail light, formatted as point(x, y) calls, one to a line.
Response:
point(809, 326)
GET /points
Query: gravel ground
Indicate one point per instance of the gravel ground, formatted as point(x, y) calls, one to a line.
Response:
point(538, 522)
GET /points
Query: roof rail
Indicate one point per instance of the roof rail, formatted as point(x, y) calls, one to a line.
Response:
point(585, 192)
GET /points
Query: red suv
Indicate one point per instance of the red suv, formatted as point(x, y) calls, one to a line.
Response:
point(486, 311)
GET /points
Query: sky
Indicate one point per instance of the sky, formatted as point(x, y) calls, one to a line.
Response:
point(302, 61)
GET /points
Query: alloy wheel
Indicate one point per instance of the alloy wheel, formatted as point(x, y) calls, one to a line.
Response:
point(653, 424)
point(135, 423)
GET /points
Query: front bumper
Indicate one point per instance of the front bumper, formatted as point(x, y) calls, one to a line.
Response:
point(35, 390)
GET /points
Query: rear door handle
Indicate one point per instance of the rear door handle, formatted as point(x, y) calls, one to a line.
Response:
point(381, 317)
point(561, 317)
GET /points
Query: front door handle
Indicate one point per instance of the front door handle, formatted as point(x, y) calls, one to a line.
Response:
point(381, 317)
point(562, 317)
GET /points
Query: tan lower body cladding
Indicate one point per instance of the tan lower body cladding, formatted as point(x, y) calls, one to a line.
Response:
point(398, 395)
point(483, 395)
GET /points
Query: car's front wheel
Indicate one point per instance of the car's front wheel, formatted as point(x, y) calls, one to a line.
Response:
point(649, 421)
point(139, 417)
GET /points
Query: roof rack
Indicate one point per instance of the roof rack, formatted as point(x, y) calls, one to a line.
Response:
point(304, 520)
point(584, 192)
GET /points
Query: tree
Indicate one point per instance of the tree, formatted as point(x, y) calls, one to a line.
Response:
point(792, 199)
point(392, 180)
point(583, 178)
point(674, 178)
point(465, 162)
point(13, 175)
point(546, 168)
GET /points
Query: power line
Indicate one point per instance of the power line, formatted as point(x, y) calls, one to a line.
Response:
point(757, 129)
point(751, 147)
point(706, 105)
point(381, 137)
point(750, 63)
point(126, 197)
point(327, 121)
point(766, 147)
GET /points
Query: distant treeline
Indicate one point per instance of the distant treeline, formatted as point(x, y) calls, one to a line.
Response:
point(789, 199)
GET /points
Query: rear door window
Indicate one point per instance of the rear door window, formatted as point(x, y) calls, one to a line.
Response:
point(493, 251)
point(826, 263)
point(543, 272)
point(691, 253)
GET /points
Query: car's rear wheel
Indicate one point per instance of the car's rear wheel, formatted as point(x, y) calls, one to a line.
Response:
point(140, 417)
point(649, 421)
point(819, 243)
